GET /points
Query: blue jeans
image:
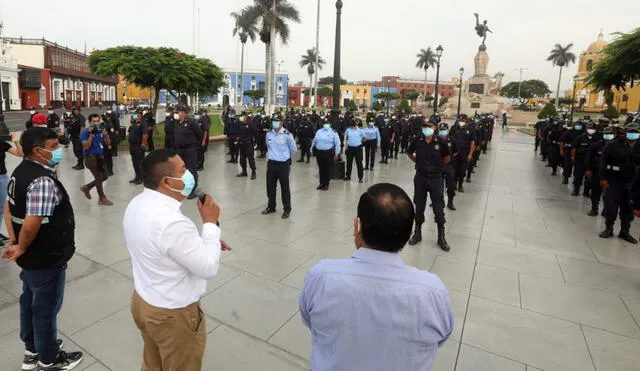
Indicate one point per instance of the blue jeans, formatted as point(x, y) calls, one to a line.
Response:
point(40, 302)
point(4, 181)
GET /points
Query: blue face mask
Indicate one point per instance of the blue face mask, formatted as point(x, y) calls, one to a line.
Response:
point(197, 117)
point(231, 116)
point(371, 124)
point(189, 183)
point(275, 124)
point(608, 136)
point(427, 132)
point(326, 126)
point(633, 136)
point(56, 156)
point(578, 127)
point(443, 133)
point(134, 116)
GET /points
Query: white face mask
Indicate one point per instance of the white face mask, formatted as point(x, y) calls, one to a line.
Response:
point(51, 112)
point(144, 113)
point(591, 131)
point(176, 116)
point(32, 112)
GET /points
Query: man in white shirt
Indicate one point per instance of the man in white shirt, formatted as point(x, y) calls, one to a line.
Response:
point(171, 264)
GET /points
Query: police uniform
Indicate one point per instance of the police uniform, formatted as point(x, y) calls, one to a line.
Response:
point(136, 138)
point(246, 136)
point(386, 135)
point(580, 147)
point(553, 139)
point(151, 123)
point(188, 140)
point(325, 145)
point(372, 133)
point(204, 128)
point(76, 126)
point(449, 172)
point(592, 169)
point(232, 135)
point(430, 156)
point(107, 152)
point(354, 137)
point(306, 132)
point(465, 140)
point(281, 146)
point(566, 148)
point(169, 131)
point(397, 134)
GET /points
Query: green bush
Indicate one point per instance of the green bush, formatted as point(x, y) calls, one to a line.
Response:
point(611, 113)
point(404, 107)
point(352, 107)
point(548, 111)
point(376, 106)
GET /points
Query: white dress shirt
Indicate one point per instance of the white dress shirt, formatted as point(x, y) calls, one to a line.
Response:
point(171, 261)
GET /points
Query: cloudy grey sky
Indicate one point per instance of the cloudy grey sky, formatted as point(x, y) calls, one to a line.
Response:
point(380, 37)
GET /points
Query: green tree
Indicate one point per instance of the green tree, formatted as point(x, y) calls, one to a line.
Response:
point(158, 68)
point(412, 95)
point(620, 65)
point(376, 106)
point(548, 111)
point(426, 59)
point(528, 89)
point(404, 107)
point(386, 97)
point(566, 101)
point(443, 102)
point(245, 28)
point(561, 56)
point(254, 95)
point(611, 113)
point(262, 12)
point(351, 106)
point(309, 60)
point(328, 80)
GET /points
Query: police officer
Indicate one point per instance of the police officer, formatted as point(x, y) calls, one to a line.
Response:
point(592, 168)
point(537, 132)
point(354, 138)
point(246, 135)
point(151, 124)
point(553, 138)
point(545, 146)
point(465, 140)
point(263, 123)
point(77, 124)
point(386, 135)
point(188, 140)
point(430, 155)
point(326, 147)
point(281, 146)
point(207, 122)
point(53, 121)
point(405, 133)
point(169, 130)
point(396, 125)
point(204, 128)
point(29, 123)
point(449, 172)
point(306, 132)
point(232, 126)
point(372, 133)
point(137, 138)
point(566, 149)
point(579, 150)
point(616, 173)
point(109, 149)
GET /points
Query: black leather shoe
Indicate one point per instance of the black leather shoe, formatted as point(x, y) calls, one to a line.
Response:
point(319, 187)
point(359, 180)
point(627, 237)
point(286, 214)
point(593, 212)
point(137, 182)
point(133, 180)
point(442, 242)
point(253, 175)
point(417, 237)
point(575, 192)
point(308, 161)
point(450, 206)
point(607, 233)
point(468, 180)
point(565, 180)
point(231, 161)
point(460, 188)
point(366, 168)
point(346, 179)
point(325, 188)
point(268, 211)
point(242, 175)
point(300, 160)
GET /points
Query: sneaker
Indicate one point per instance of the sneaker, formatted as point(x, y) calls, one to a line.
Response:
point(30, 360)
point(65, 361)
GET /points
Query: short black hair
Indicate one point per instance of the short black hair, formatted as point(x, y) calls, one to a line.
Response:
point(156, 166)
point(386, 216)
point(34, 138)
point(92, 116)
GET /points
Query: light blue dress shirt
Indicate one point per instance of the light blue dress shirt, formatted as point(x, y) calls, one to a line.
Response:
point(353, 137)
point(326, 139)
point(372, 132)
point(281, 145)
point(372, 312)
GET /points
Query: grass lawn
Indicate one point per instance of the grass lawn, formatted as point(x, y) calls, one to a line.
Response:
point(158, 131)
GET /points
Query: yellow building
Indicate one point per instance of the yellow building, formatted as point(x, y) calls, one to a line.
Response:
point(624, 100)
point(128, 93)
point(360, 94)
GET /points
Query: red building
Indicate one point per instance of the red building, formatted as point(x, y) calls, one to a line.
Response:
point(296, 96)
point(34, 85)
point(403, 86)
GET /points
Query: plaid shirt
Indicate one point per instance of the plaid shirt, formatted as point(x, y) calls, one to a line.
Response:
point(43, 195)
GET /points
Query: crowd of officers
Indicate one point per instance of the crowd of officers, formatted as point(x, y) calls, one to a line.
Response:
point(602, 159)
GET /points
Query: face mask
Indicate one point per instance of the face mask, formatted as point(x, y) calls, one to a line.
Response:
point(32, 112)
point(386, 120)
point(144, 113)
point(197, 117)
point(51, 112)
point(371, 124)
point(443, 133)
point(189, 183)
point(275, 124)
point(167, 114)
point(263, 116)
point(427, 132)
point(591, 131)
point(608, 136)
point(231, 116)
point(462, 124)
point(633, 136)
point(326, 126)
point(176, 116)
point(134, 116)
point(578, 127)
point(109, 111)
point(56, 156)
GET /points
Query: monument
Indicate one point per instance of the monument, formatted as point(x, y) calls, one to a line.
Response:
point(481, 93)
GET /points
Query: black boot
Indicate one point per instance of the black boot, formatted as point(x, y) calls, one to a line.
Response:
point(607, 233)
point(301, 160)
point(450, 205)
point(565, 180)
point(442, 242)
point(242, 174)
point(576, 191)
point(594, 211)
point(460, 187)
point(627, 237)
point(417, 236)
point(253, 174)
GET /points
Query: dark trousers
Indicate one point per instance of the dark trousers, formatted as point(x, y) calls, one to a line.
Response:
point(555, 159)
point(617, 199)
point(433, 187)
point(537, 144)
point(233, 149)
point(278, 172)
point(137, 154)
point(449, 174)
point(169, 142)
point(261, 143)
point(472, 163)
point(108, 159)
point(305, 148)
point(370, 153)
point(150, 146)
point(578, 174)
point(96, 165)
point(404, 143)
point(396, 147)
point(190, 157)
point(460, 164)
point(40, 302)
point(78, 150)
point(200, 152)
point(246, 153)
point(354, 153)
point(567, 168)
point(385, 149)
point(325, 165)
point(544, 149)
point(596, 191)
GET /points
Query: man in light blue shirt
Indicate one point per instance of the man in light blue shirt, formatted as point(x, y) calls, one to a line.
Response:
point(354, 136)
point(373, 141)
point(371, 312)
point(326, 148)
point(281, 147)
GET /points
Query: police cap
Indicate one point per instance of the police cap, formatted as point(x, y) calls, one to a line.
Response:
point(428, 123)
point(443, 126)
point(590, 125)
point(182, 108)
point(608, 130)
point(633, 126)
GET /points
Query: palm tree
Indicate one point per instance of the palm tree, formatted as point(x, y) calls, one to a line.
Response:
point(246, 29)
point(262, 11)
point(426, 59)
point(561, 56)
point(309, 60)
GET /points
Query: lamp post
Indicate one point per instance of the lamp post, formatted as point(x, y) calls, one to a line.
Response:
point(335, 109)
point(576, 78)
point(460, 92)
point(439, 50)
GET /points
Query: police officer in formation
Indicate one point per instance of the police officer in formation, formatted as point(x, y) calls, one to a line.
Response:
point(579, 150)
point(281, 147)
point(137, 138)
point(449, 171)
point(465, 140)
point(354, 138)
point(374, 140)
point(77, 124)
point(326, 147)
point(188, 140)
point(203, 124)
point(169, 129)
point(306, 133)
point(566, 149)
point(246, 135)
point(387, 136)
point(231, 127)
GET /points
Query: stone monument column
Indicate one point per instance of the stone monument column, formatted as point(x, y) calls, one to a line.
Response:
point(481, 62)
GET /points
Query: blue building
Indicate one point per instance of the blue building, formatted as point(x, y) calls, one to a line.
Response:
point(251, 80)
point(376, 89)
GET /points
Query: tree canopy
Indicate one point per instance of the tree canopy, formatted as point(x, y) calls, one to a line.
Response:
point(261, 11)
point(561, 56)
point(309, 60)
point(386, 96)
point(254, 94)
point(412, 95)
point(426, 59)
point(548, 111)
point(328, 80)
point(621, 64)
point(529, 89)
point(158, 68)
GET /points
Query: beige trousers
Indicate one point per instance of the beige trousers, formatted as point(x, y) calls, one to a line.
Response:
point(174, 339)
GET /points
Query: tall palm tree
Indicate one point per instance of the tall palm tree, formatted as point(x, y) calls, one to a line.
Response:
point(246, 29)
point(426, 59)
point(561, 56)
point(262, 11)
point(309, 60)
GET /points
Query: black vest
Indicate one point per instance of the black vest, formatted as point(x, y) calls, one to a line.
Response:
point(54, 244)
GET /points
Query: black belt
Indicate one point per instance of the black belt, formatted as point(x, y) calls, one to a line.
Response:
point(192, 146)
point(278, 162)
point(135, 145)
point(568, 145)
point(355, 147)
point(325, 150)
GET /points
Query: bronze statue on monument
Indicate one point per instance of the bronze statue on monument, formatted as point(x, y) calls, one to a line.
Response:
point(481, 30)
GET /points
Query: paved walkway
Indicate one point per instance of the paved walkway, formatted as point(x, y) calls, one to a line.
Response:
point(532, 285)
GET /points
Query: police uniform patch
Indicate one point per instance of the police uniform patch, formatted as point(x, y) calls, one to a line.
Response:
point(437, 147)
point(449, 144)
point(467, 132)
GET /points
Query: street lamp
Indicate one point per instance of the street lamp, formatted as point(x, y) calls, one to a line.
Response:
point(335, 109)
point(576, 78)
point(439, 50)
point(460, 92)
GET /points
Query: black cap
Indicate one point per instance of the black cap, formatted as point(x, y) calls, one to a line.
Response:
point(590, 125)
point(182, 108)
point(443, 126)
point(607, 130)
point(632, 127)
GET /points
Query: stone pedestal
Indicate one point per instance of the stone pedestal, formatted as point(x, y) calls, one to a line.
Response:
point(481, 62)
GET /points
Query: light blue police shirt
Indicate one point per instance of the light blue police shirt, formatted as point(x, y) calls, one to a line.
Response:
point(281, 145)
point(353, 137)
point(372, 132)
point(326, 139)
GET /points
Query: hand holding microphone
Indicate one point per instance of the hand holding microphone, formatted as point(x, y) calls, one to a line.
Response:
point(209, 212)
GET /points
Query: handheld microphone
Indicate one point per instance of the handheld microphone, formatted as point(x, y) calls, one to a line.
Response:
point(202, 196)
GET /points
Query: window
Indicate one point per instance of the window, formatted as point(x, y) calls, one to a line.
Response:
point(625, 97)
point(365, 91)
point(589, 65)
point(357, 91)
point(253, 78)
point(42, 96)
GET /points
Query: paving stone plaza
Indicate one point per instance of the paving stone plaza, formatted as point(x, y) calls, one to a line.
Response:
point(533, 287)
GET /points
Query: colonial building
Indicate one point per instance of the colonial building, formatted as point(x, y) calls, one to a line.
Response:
point(129, 93)
point(446, 89)
point(55, 75)
point(9, 96)
point(231, 93)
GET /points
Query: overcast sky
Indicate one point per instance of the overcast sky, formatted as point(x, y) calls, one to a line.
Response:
point(379, 37)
